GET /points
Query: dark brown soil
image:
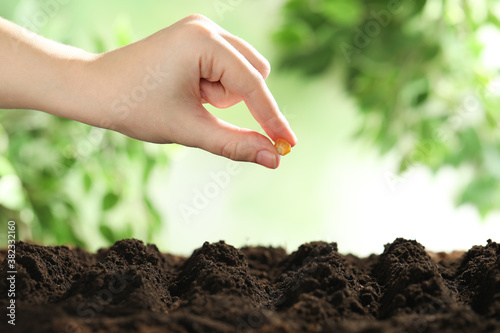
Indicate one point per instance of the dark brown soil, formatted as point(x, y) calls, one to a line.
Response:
point(132, 287)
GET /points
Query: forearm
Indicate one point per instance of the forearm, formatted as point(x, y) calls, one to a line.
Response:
point(36, 73)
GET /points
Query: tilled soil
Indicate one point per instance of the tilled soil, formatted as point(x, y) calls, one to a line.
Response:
point(132, 287)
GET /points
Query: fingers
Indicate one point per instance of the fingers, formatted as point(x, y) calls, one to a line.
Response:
point(265, 110)
point(232, 70)
point(240, 78)
point(249, 52)
point(253, 56)
point(224, 139)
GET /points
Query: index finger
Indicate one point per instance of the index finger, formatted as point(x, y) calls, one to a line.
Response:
point(265, 110)
point(242, 79)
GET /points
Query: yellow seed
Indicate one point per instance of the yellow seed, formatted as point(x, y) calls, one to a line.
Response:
point(283, 146)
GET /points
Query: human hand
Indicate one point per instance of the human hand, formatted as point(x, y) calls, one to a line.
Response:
point(154, 90)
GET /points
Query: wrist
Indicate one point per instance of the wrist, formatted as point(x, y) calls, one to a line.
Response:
point(67, 86)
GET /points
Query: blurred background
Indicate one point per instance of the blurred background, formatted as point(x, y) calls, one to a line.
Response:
point(395, 104)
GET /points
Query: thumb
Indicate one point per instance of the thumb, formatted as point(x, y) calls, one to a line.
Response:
point(221, 138)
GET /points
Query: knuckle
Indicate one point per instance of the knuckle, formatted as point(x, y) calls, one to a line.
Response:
point(197, 17)
point(265, 68)
point(230, 149)
point(254, 84)
point(198, 25)
point(197, 28)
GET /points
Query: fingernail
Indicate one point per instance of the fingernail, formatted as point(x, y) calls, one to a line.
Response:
point(267, 159)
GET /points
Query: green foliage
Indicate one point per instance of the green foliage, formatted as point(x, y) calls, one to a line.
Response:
point(414, 70)
point(52, 170)
point(61, 181)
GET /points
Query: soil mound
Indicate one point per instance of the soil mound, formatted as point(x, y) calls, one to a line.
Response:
point(132, 287)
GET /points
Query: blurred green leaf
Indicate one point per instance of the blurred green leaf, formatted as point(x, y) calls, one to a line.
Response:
point(346, 13)
point(109, 201)
point(87, 182)
point(471, 145)
point(128, 232)
point(481, 193)
point(156, 218)
point(149, 164)
point(107, 233)
point(492, 121)
point(99, 46)
point(292, 35)
point(421, 92)
point(312, 62)
point(123, 31)
point(5, 167)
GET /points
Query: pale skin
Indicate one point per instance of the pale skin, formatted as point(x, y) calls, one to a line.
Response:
point(152, 90)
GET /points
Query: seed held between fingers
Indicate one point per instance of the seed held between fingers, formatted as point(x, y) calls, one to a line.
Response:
point(282, 146)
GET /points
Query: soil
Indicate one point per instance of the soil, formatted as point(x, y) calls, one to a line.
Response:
point(132, 287)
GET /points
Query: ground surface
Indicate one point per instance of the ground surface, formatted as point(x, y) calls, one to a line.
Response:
point(131, 287)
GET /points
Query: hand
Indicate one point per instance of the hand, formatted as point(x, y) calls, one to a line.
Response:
point(153, 90)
